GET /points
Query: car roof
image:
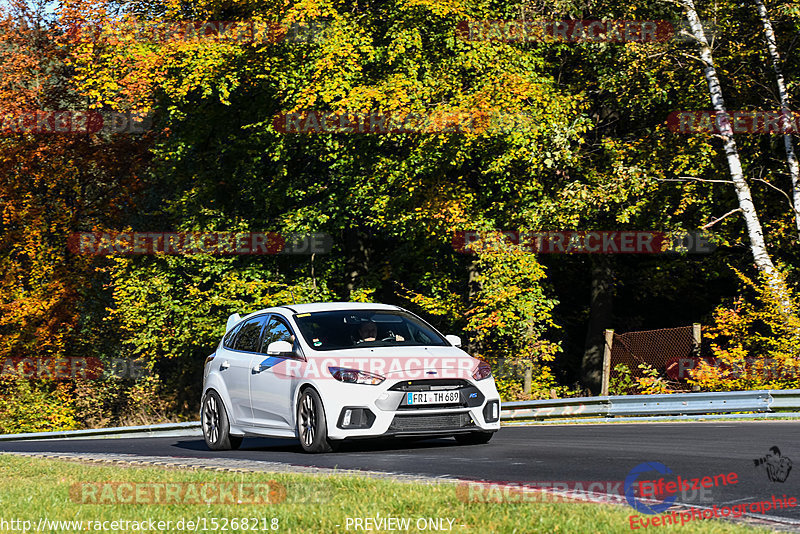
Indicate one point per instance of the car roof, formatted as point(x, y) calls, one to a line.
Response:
point(328, 306)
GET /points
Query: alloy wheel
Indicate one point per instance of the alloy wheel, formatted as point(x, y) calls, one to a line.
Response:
point(308, 420)
point(211, 419)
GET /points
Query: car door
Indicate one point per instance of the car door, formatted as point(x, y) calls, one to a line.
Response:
point(271, 380)
point(235, 367)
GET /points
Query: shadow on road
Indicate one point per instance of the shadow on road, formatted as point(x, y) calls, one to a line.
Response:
point(292, 446)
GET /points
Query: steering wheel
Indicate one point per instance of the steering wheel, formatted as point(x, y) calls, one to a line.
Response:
point(391, 337)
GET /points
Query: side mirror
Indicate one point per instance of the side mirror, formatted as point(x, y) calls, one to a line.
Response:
point(453, 340)
point(279, 348)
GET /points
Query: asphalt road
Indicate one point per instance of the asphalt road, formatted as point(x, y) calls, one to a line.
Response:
point(528, 454)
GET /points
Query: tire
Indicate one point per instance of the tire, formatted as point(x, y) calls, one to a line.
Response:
point(216, 428)
point(312, 428)
point(474, 438)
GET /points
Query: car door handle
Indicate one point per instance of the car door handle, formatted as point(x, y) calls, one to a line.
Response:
point(224, 365)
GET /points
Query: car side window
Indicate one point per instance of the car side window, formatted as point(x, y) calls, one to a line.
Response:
point(250, 335)
point(229, 338)
point(278, 330)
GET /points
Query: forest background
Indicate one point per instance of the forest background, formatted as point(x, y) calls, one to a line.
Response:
point(589, 147)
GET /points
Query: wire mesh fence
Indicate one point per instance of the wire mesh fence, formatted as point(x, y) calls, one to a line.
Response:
point(665, 350)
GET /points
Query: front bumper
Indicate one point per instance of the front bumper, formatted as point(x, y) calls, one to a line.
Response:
point(382, 410)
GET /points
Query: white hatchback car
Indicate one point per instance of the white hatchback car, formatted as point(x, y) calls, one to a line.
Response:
point(328, 372)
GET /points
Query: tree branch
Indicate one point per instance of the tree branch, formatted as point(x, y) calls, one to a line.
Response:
point(781, 191)
point(715, 221)
point(693, 179)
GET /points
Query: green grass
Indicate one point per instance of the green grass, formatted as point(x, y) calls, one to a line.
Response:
point(33, 488)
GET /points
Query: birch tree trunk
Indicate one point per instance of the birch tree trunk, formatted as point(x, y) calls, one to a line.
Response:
point(754, 231)
point(791, 155)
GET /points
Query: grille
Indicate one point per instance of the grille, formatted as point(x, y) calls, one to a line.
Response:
point(429, 385)
point(404, 423)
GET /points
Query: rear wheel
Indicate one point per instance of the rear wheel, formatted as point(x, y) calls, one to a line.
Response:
point(474, 438)
point(216, 428)
point(312, 428)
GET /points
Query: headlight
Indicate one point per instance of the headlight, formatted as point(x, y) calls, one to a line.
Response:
point(354, 376)
point(482, 371)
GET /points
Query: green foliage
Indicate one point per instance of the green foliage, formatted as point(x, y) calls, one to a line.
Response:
point(35, 406)
point(653, 382)
point(175, 308)
point(622, 381)
point(754, 342)
point(587, 149)
point(510, 314)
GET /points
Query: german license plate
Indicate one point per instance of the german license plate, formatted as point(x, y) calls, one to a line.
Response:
point(433, 397)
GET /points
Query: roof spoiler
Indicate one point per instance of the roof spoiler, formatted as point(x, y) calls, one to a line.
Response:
point(232, 320)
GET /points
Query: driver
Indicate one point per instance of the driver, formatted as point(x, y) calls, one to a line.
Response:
point(368, 331)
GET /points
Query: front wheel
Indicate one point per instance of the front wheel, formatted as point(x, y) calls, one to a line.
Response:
point(474, 438)
point(312, 428)
point(216, 428)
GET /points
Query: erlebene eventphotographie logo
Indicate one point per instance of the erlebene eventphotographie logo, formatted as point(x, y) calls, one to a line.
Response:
point(632, 484)
point(656, 495)
point(777, 467)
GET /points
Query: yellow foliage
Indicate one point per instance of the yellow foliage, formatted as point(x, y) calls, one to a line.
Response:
point(754, 341)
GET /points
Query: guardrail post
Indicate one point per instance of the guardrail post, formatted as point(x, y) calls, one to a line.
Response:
point(697, 338)
point(607, 362)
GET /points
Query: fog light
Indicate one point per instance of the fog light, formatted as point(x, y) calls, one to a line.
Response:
point(491, 412)
point(356, 418)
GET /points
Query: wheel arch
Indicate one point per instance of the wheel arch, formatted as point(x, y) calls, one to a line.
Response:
point(226, 404)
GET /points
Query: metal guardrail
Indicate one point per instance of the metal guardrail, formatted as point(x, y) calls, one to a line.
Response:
point(689, 403)
point(102, 431)
point(579, 406)
point(644, 407)
point(763, 401)
point(784, 399)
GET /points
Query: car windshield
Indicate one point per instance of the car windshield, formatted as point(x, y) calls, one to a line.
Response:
point(333, 330)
